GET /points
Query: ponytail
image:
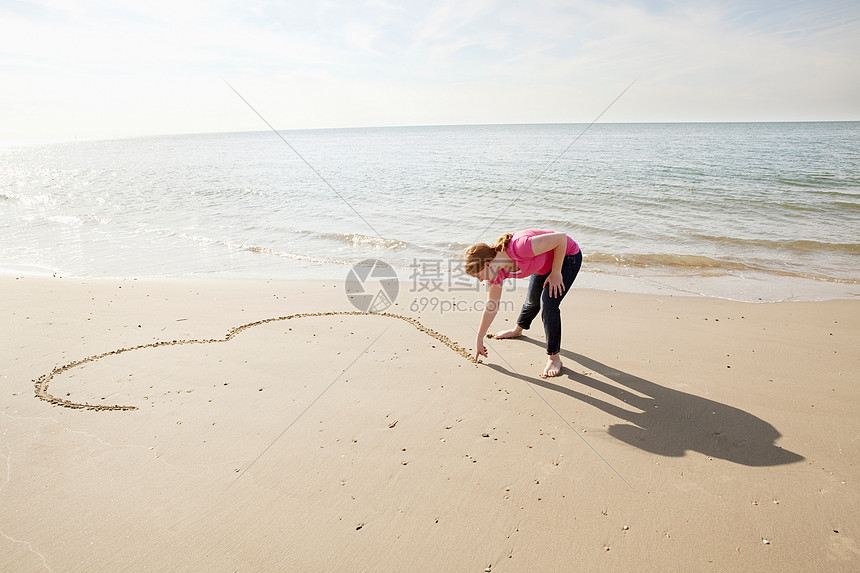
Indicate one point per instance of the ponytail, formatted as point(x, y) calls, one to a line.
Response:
point(503, 242)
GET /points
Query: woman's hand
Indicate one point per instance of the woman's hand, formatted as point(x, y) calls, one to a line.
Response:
point(556, 284)
point(494, 294)
point(481, 349)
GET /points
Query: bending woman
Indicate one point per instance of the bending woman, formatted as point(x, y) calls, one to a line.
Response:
point(552, 260)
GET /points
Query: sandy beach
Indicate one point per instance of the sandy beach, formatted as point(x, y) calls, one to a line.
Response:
point(684, 433)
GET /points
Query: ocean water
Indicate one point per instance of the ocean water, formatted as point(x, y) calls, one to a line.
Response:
point(748, 211)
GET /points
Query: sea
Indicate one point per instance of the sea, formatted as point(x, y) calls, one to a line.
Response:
point(757, 212)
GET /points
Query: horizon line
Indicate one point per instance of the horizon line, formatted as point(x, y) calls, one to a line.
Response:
point(72, 139)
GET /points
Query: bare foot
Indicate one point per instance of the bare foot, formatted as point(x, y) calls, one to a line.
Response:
point(553, 366)
point(512, 333)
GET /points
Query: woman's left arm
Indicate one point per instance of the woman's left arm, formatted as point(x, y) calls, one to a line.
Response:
point(557, 243)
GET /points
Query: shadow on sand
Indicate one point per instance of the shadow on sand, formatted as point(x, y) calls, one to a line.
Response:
point(664, 421)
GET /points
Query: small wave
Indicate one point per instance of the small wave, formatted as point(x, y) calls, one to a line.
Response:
point(264, 250)
point(700, 265)
point(28, 200)
point(359, 240)
point(796, 245)
point(76, 221)
point(692, 262)
point(287, 255)
point(311, 258)
point(844, 205)
point(822, 182)
point(455, 248)
point(70, 220)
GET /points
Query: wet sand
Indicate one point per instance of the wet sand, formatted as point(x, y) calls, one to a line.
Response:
point(265, 426)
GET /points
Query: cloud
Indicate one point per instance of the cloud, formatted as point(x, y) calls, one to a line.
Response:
point(130, 67)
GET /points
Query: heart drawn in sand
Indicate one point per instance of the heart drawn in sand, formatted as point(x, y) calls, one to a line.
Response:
point(41, 383)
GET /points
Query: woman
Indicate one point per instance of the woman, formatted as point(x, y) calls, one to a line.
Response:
point(551, 259)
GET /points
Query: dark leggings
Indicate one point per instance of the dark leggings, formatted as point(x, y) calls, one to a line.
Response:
point(538, 299)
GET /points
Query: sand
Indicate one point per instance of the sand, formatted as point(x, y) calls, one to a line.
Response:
point(240, 426)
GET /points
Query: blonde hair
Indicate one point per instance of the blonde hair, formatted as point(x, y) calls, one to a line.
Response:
point(477, 256)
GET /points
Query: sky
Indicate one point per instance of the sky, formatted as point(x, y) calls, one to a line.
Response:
point(117, 68)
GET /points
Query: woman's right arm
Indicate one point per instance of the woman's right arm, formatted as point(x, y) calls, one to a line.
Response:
point(494, 295)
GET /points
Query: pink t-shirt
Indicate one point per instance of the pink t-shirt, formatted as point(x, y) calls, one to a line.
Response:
point(520, 251)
